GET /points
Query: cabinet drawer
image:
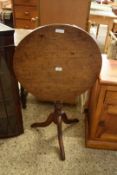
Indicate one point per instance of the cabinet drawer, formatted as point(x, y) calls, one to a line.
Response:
point(111, 97)
point(25, 12)
point(26, 2)
point(112, 109)
point(25, 24)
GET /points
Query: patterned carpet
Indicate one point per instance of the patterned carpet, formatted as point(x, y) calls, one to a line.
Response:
point(36, 152)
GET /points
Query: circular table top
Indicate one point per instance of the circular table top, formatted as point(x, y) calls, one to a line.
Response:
point(57, 62)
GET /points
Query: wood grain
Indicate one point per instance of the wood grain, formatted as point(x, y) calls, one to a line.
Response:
point(57, 62)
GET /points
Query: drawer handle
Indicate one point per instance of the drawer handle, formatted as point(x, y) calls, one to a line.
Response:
point(34, 19)
point(26, 13)
point(26, 27)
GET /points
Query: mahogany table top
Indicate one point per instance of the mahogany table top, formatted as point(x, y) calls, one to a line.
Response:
point(57, 62)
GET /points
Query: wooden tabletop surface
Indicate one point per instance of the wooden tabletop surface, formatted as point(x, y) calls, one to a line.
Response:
point(57, 62)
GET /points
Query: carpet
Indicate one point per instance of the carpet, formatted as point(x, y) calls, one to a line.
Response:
point(36, 152)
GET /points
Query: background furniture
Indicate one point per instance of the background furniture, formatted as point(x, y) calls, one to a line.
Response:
point(64, 64)
point(6, 16)
point(26, 13)
point(104, 1)
point(31, 13)
point(5, 4)
point(101, 123)
point(114, 28)
point(112, 42)
point(65, 11)
point(112, 46)
point(104, 16)
point(10, 112)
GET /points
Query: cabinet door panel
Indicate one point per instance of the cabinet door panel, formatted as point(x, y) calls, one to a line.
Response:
point(107, 126)
point(65, 11)
point(111, 97)
point(112, 109)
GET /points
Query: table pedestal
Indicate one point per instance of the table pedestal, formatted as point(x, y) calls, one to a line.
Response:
point(57, 117)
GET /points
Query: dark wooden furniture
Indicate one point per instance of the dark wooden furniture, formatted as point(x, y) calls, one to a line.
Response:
point(101, 123)
point(26, 13)
point(57, 63)
point(10, 111)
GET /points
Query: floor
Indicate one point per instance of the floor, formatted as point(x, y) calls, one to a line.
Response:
point(36, 152)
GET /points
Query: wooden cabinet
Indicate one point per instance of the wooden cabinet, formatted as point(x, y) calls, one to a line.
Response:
point(101, 121)
point(31, 13)
point(26, 13)
point(65, 11)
